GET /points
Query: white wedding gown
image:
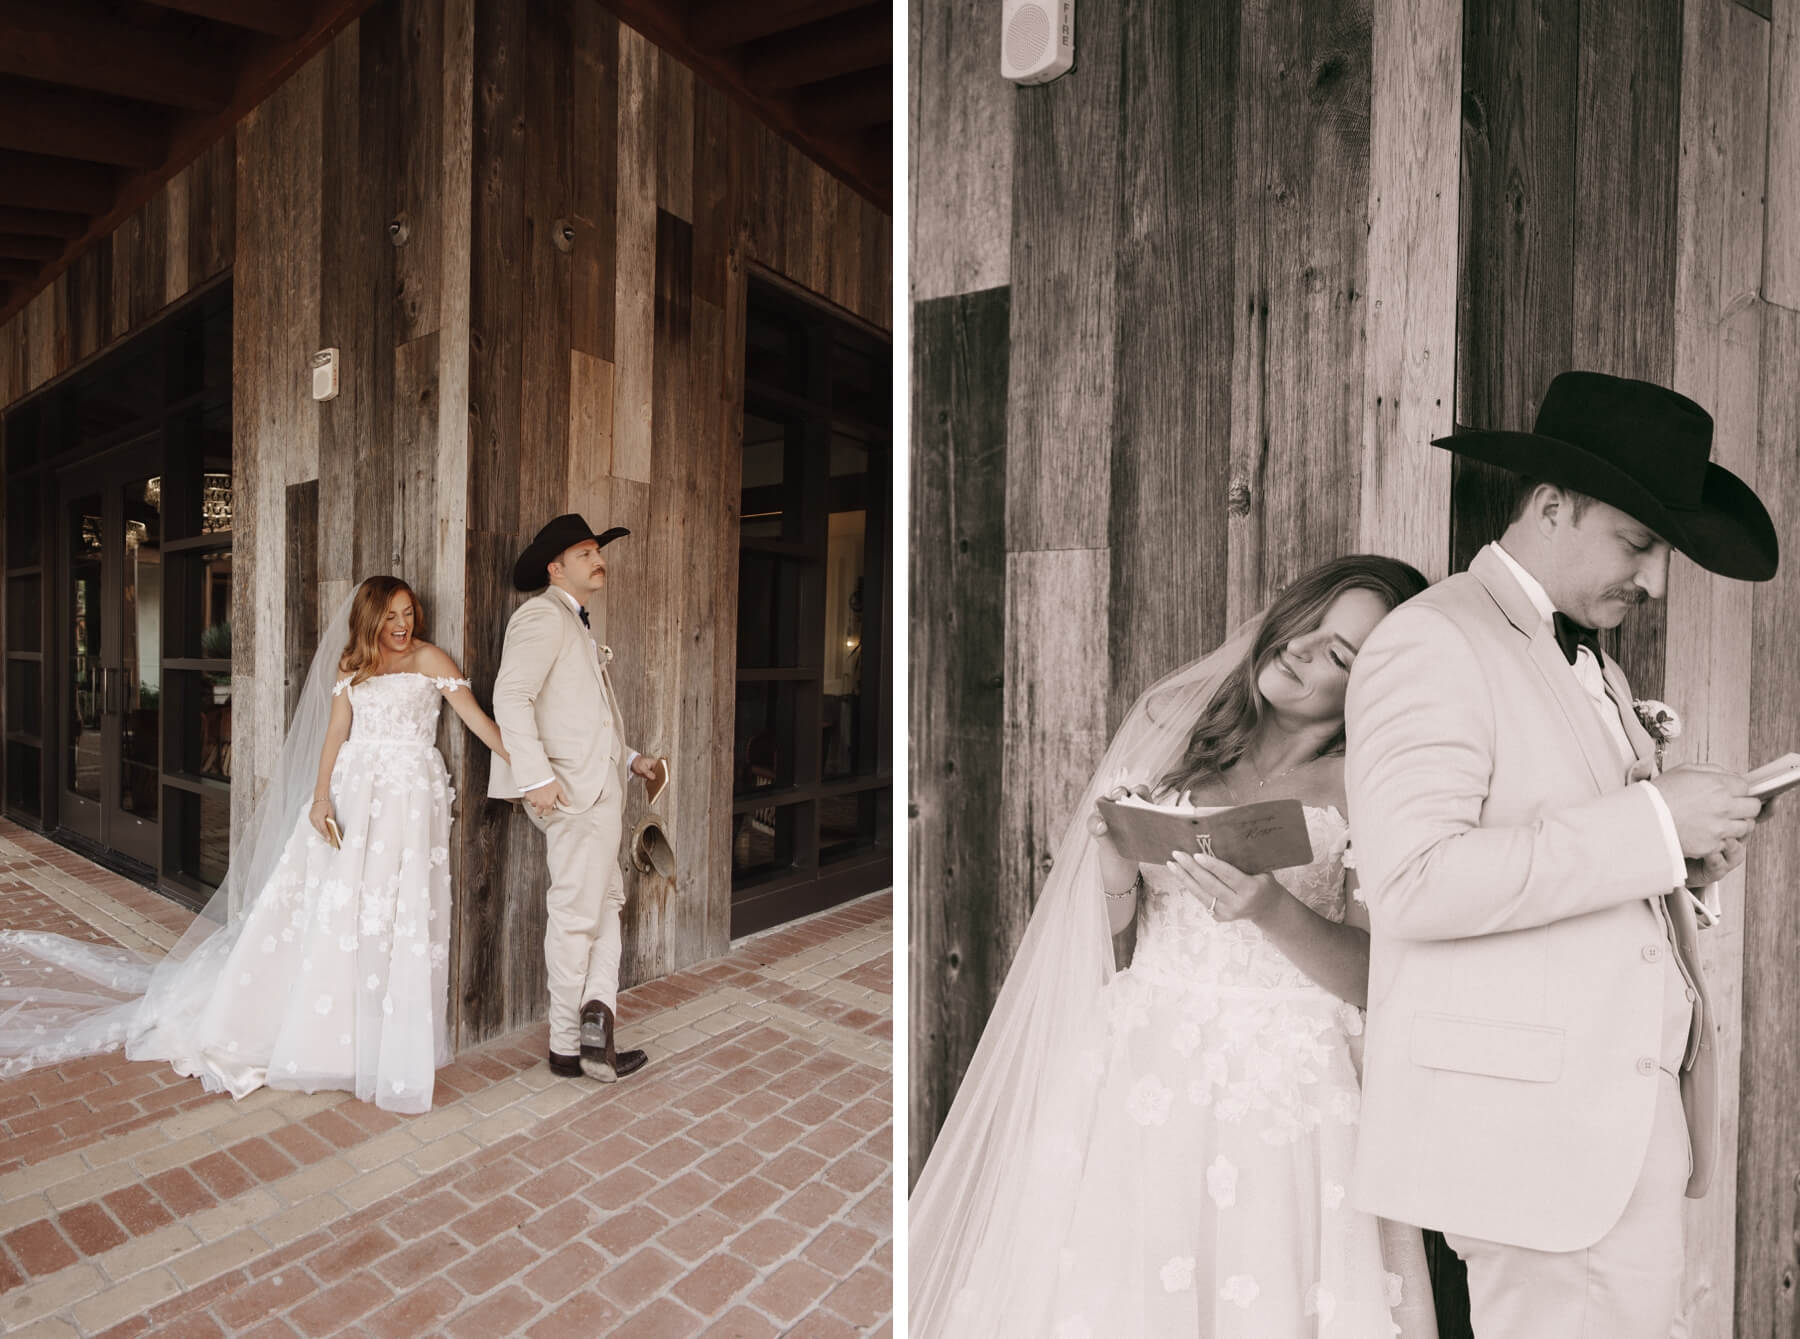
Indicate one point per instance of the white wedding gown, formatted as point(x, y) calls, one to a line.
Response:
point(334, 976)
point(1199, 1153)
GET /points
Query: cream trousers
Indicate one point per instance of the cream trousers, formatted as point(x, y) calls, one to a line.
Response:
point(1627, 1285)
point(587, 891)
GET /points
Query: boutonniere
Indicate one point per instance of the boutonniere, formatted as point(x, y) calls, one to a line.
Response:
point(605, 655)
point(1659, 721)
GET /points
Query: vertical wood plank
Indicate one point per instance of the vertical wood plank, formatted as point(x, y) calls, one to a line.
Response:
point(177, 208)
point(590, 435)
point(1516, 267)
point(275, 319)
point(1718, 345)
point(714, 231)
point(543, 463)
point(412, 456)
point(594, 93)
point(301, 599)
point(674, 120)
point(1302, 194)
point(1410, 386)
point(347, 279)
point(415, 113)
point(957, 669)
point(961, 148)
point(466, 760)
point(1768, 1146)
point(1065, 217)
point(212, 211)
point(1171, 438)
point(1627, 150)
point(1781, 236)
point(634, 324)
point(1054, 726)
point(498, 246)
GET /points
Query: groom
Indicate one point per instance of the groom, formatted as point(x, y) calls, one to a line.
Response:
point(554, 703)
point(1540, 1082)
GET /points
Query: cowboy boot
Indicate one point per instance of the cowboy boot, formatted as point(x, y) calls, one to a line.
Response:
point(600, 1059)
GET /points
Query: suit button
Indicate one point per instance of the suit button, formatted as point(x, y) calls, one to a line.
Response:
point(1652, 953)
point(1691, 996)
point(1646, 1065)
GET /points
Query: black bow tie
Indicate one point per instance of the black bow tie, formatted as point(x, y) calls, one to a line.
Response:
point(581, 609)
point(1571, 636)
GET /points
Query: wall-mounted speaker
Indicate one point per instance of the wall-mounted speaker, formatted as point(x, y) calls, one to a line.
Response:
point(1037, 39)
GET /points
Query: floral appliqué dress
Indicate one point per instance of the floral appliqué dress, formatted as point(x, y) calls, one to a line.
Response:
point(338, 978)
point(1213, 1195)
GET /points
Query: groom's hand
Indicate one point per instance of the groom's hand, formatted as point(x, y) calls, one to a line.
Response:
point(643, 767)
point(545, 797)
point(1715, 867)
point(1710, 806)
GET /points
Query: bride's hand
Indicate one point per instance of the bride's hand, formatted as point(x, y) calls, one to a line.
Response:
point(320, 811)
point(1228, 892)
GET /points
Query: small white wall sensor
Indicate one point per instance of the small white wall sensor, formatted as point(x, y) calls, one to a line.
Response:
point(1037, 39)
point(325, 374)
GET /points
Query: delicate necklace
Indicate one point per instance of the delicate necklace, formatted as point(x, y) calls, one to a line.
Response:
point(1261, 780)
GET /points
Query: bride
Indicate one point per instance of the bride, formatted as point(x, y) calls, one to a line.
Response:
point(322, 961)
point(1165, 1151)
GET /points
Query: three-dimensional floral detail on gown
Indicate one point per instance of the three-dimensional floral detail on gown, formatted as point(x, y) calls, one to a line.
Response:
point(336, 976)
point(1206, 1139)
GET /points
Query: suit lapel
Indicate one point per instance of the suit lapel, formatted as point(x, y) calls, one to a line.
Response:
point(1546, 658)
point(1643, 748)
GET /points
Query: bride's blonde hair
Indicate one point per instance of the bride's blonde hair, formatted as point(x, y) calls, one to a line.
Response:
point(362, 653)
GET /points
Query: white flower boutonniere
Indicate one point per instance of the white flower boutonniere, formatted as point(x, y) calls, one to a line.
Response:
point(1660, 722)
point(605, 654)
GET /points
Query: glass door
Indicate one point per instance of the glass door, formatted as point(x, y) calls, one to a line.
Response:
point(111, 523)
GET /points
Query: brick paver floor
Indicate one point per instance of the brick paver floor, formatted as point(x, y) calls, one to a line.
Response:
point(742, 1186)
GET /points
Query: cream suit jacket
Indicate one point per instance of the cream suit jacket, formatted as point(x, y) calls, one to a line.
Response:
point(1516, 966)
point(554, 704)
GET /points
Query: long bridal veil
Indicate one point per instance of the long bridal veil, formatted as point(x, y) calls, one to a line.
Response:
point(61, 998)
point(990, 1208)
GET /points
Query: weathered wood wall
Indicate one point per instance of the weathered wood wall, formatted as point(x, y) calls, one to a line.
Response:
point(1250, 272)
point(619, 205)
point(528, 232)
point(179, 241)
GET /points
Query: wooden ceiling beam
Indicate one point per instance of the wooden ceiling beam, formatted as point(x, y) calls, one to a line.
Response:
point(665, 23)
point(851, 102)
point(36, 181)
point(23, 246)
point(861, 40)
point(41, 222)
point(40, 119)
point(255, 72)
point(285, 19)
point(714, 25)
point(40, 42)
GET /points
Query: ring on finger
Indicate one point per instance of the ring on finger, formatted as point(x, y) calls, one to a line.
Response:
point(1212, 908)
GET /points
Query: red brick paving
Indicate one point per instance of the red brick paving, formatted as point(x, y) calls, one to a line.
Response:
point(739, 1188)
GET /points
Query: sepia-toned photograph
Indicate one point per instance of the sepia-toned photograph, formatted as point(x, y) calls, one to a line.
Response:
point(447, 668)
point(1354, 453)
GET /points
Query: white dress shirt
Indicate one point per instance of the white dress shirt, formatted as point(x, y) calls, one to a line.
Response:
point(577, 607)
point(1588, 673)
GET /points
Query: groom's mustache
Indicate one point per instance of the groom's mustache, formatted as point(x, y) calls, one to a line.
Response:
point(1632, 595)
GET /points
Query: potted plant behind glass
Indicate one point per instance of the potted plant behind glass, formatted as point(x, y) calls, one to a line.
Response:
point(215, 644)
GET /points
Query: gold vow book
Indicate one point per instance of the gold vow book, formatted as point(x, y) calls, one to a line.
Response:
point(1255, 838)
point(657, 782)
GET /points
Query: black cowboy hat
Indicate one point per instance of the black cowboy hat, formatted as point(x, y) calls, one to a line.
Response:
point(565, 532)
point(1643, 449)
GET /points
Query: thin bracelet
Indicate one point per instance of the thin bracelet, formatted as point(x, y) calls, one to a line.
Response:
point(1131, 889)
